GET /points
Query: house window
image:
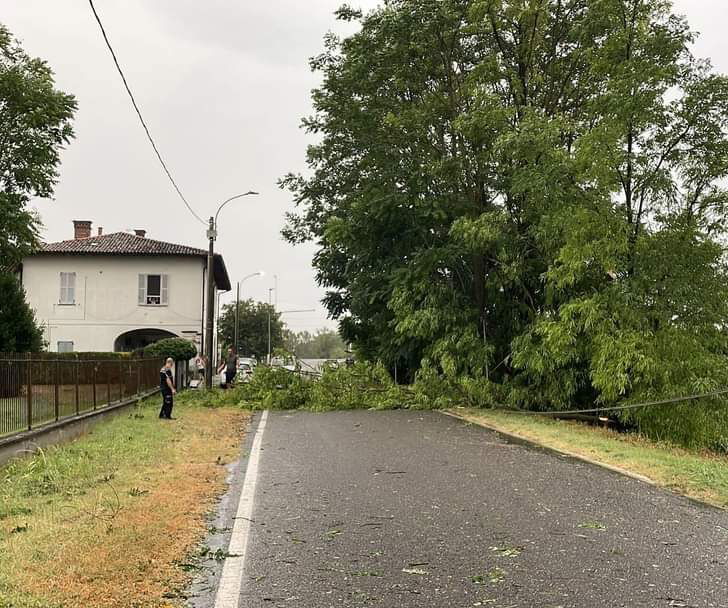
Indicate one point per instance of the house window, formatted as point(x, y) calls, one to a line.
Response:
point(68, 288)
point(65, 347)
point(153, 289)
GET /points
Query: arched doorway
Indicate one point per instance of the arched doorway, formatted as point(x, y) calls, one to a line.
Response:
point(139, 338)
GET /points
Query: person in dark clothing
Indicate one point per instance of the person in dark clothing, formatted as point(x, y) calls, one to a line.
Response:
point(230, 368)
point(166, 386)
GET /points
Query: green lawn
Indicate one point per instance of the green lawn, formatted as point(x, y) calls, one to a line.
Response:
point(111, 518)
point(699, 475)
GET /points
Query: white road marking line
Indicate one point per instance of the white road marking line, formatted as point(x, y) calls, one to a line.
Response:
point(231, 579)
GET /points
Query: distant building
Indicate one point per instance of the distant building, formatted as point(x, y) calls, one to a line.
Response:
point(118, 291)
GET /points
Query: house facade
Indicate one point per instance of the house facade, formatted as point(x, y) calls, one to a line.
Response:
point(118, 291)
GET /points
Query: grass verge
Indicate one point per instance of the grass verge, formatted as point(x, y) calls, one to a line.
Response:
point(108, 520)
point(703, 476)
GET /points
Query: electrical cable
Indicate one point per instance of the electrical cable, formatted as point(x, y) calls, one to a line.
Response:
point(615, 408)
point(141, 118)
point(594, 410)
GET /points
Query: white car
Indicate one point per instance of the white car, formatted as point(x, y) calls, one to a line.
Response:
point(245, 371)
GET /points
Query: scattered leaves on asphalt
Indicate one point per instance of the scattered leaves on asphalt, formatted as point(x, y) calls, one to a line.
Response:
point(507, 551)
point(417, 571)
point(494, 576)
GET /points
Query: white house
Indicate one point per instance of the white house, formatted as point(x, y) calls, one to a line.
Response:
point(118, 291)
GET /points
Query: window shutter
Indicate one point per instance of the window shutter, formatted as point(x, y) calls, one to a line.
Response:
point(68, 288)
point(142, 289)
point(71, 288)
point(165, 289)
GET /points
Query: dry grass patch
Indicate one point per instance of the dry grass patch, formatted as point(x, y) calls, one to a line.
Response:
point(107, 520)
point(700, 475)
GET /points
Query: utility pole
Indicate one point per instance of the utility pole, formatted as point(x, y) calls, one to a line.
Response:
point(211, 234)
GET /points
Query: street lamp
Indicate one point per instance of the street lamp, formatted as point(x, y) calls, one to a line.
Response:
point(260, 273)
point(212, 235)
point(270, 291)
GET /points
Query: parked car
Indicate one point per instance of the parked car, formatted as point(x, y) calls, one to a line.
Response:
point(252, 362)
point(245, 372)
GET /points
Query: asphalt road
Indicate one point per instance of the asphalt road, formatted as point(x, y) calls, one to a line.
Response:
point(417, 509)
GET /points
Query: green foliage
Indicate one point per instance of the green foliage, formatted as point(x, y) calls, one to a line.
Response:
point(324, 344)
point(19, 332)
point(252, 328)
point(530, 197)
point(361, 386)
point(35, 125)
point(180, 349)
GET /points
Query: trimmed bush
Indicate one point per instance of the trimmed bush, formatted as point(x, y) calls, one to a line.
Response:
point(179, 349)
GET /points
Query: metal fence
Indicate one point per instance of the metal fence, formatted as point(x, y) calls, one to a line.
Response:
point(38, 391)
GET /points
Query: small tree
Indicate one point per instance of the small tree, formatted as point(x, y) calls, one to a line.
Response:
point(252, 328)
point(179, 349)
point(35, 125)
point(19, 331)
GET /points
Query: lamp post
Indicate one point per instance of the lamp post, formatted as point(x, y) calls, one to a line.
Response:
point(212, 235)
point(260, 273)
point(270, 290)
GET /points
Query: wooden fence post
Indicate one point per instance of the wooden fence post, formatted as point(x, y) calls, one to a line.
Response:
point(94, 385)
point(108, 384)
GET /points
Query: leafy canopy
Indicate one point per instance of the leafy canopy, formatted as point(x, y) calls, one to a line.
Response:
point(35, 125)
point(523, 192)
point(252, 328)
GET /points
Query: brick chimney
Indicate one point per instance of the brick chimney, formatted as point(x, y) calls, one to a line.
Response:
point(81, 229)
point(141, 233)
point(101, 230)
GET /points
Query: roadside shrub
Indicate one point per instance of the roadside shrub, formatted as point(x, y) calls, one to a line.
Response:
point(179, 349)
point(276, 388)
point(695, 425)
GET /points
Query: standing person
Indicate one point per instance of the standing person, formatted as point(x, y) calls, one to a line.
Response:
point(166, 385)
point(230, 366)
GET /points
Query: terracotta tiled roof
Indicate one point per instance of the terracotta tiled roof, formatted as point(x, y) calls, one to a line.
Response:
point(123, 243)
point(120, 243)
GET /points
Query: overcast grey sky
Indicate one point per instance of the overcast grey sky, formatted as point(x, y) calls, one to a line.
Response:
point(223, 85)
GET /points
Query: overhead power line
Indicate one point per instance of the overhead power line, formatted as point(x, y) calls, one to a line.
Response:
point(141, 118)
point(617, 408)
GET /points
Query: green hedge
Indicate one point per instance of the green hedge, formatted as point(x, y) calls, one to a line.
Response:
point(179, 349)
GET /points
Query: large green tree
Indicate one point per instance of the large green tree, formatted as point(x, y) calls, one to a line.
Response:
point(19, 332)
point(523, 191)
point(252, 328)
point(35, 125)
